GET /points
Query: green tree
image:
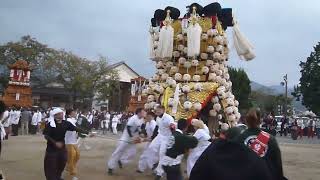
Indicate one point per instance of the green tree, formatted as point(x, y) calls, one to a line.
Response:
point(38, 55)
point(309, 87)
point(241, 87)
point(84, 78)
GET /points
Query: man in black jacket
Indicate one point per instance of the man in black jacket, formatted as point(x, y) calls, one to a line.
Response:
point(56, 154)
point(178, 144)
point(263, 144)
point(228, 160)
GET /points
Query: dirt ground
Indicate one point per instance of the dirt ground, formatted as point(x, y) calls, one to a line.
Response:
point(22, 159)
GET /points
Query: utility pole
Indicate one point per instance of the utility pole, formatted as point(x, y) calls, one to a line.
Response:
point(285, 83)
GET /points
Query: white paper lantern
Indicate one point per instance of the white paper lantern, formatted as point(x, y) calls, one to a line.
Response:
point(185, 88)
point(155, 77)
point(219, 116)
point(186, 77)
point(236, 103)
point(146, 106)
point(180, 47)
point(187, 64)
point(216, 55)
point(187, 105)
point(204, 36)
point(215, 99)
point(178, 77)
point(232, 117)
point(217, 107)
point(173, 70)
point(210, 32)
point(197, 106)
point(205, 70)
point(176, 54)
point(195, 62)
point(150, 98)
point(196, 77)
point(210, 49)
point(209, 63)
point(185, 50)
point(204, 56)
point(169, 64)
point(160, 71)
point(198, 86)
point(180, 37)
point(212, 77)
point(219, 48)
point(159, 65)
point(229, 110)
point(164, 76)
point(213, 113)
point(182, 60)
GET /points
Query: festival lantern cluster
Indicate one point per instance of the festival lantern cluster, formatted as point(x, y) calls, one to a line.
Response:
point(191, 55)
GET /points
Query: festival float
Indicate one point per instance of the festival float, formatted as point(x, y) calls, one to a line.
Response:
point(18, 93)
point(191, 55)
point(136, 99)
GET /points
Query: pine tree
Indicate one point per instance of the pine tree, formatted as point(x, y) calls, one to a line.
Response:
point(309, 87)
point(241, 87)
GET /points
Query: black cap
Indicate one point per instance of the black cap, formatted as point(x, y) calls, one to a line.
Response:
point(212, 9)
point(226, 17)
point(159, 15)
point(174, 12)
point(199, 8)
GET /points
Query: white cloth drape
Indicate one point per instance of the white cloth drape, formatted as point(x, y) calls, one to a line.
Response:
point(242, 44)
point(194, 38)
point(165, 46)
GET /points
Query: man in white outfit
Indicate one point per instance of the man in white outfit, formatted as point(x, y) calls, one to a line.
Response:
point(126, 148)
point(114, 123)
point(158, 145)
point(105, 122)
point(146, 158)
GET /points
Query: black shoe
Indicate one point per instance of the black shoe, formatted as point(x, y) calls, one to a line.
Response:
point(138, 171)
point(110, 173)
point(120, 164)
point(154, 166)
point(158, 177)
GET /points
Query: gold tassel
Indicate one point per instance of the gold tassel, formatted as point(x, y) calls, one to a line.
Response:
point(219, 27)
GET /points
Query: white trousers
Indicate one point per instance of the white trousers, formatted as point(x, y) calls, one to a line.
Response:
point(159, 148)
point(114, 128)
point(124, 152)
point(147, 159)
point(194, 156)
point(104, 124)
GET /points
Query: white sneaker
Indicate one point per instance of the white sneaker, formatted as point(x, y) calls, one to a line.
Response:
point(75, 178)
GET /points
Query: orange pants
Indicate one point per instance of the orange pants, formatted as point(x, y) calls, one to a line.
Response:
point(73, 158)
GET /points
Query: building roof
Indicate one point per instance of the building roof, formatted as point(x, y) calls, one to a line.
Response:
point(125, 72)
point(113, 66)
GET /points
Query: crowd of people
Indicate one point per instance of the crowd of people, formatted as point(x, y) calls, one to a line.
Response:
point(232, 153)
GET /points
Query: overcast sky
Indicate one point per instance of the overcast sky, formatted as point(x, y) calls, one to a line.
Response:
point(282, 31)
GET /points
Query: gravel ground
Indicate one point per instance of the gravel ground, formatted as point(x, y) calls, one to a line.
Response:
point(22, 159)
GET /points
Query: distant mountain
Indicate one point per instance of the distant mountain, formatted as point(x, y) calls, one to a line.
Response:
point(276, 90)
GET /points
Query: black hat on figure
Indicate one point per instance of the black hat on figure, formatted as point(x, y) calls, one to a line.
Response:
point(159, 15)
point(174, 12)
point(212, 9)
point(199, 8)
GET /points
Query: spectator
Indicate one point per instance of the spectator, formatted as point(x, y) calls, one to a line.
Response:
point(263, 144)
point(226, 159)
point(25, 120)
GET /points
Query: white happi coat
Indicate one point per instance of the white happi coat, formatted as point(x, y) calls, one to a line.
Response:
point(16, 117)
point(36, 118)
point(71, 137)
point(6, 114)
point(147, 158)
point(158, 144)
point(126, 150)
point(203, 138)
